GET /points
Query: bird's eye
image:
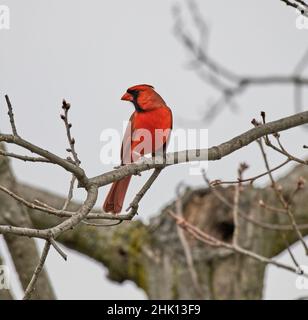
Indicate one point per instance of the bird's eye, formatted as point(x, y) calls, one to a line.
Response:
point(130, 91)
point(134, 93)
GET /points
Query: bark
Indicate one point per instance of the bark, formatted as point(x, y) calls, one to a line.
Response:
point(152, 256)
point(23, 250)
point(5, 294)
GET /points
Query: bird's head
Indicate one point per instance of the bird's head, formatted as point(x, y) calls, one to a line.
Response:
point(144, 97)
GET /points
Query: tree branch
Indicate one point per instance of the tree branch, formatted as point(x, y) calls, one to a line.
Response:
point(31, 285)
point(23, 251)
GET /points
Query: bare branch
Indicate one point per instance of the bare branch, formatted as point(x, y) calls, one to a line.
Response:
point(58, 229)
point(37, 271)
point(24, 158)
point(213, 153)
point(65, 164)
point(226, 81)
point(70, 193)
point(252, 179)
point(212, 241)
point(134, 205)
point(291, 254)
point(94, 224)
point(11, 115)
point(299, 5)
point(58, 249)
point(282, 199)
point(265, 225)
point(66, 107)
point(68, 126)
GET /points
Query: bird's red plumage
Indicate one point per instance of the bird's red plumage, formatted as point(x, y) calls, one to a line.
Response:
point(151, 117)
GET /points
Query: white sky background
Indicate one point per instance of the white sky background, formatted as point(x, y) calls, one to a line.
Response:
point(89, 52)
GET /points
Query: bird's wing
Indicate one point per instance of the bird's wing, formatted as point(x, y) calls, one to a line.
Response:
point(127, 142)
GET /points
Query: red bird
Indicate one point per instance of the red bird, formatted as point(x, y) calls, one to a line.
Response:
point(148, 131)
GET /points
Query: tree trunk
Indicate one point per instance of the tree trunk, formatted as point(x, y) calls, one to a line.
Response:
point(5, 294)
point(23, 250)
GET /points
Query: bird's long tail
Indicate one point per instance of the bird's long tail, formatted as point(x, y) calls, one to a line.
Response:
point(115, 198)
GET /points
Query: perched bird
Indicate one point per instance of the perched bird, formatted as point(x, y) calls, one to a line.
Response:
point(148, 131)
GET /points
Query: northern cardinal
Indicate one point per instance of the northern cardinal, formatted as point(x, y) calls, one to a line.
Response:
point(143, 135)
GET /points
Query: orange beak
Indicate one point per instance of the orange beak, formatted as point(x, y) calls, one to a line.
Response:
point(127, 97)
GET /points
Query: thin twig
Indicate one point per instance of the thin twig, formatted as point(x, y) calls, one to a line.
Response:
point(94, 224)
point(70, 193)
point(66, 106)
point(58, 249)
point(11, 115)
point(252, 179)
point(291, 254)
point(68, 126)
point(24, 158)
point(282, 199)
point(265, 225)
point(262, 204)
point(134, 205)
point(212, 241)
point(229, 83)
point(283, 151)
point(299, 5)
point(37, 271)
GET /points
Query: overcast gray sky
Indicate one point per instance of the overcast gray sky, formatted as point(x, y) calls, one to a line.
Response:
point(89, 52)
